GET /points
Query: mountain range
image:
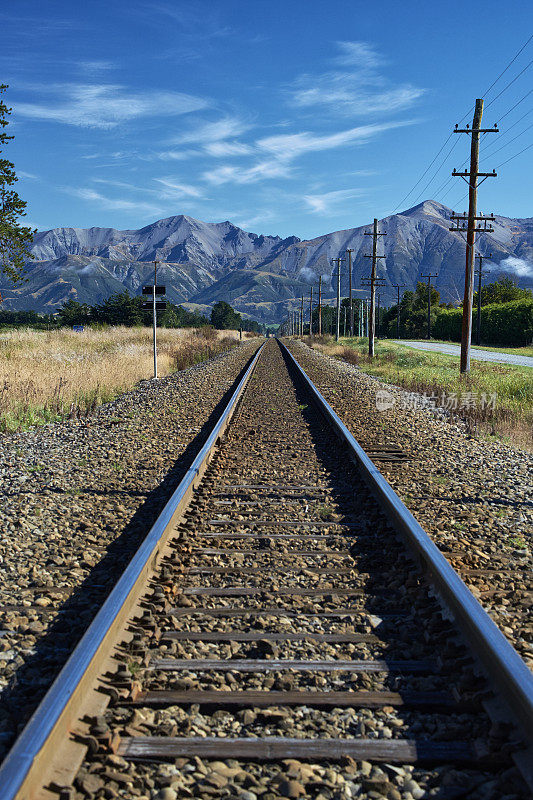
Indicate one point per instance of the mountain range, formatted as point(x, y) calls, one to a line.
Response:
point(261, 276)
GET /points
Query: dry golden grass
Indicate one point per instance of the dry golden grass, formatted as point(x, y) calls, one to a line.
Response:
point(47, 375)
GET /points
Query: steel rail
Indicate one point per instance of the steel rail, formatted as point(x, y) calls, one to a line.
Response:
point(23, 758)
point(507, 670)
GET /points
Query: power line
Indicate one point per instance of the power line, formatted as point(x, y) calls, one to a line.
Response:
point(510, 83)
point(515, 156)
point(423, 174)
point(515, 105)
point(518, 135)
point(507, 67)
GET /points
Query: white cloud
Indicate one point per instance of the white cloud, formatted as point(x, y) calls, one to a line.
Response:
point(226, 128)
point(358, 90)
point(116, 204)
point(521, 267)
point(179, 189)
point(106, 105)
point(94, 68)
point(324, 203)
point(28, 175)
point(289, 146)
point(221, 149)
point(231, 174)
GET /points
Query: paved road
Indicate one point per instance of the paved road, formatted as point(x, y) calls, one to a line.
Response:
point(481, 355)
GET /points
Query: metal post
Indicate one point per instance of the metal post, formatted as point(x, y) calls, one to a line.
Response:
point(155, 320)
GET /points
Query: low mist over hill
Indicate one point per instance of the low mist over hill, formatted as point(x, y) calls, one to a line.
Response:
point(261, 276)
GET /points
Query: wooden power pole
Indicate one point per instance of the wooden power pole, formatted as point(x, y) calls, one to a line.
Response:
point(398, 286)
point(349, 250)
point(480, 276)
point(470, 227)
point(311, 312)
point(320, 305)
point(429, 277)
point(338, 261)
point(302, 317)
point(373, 281)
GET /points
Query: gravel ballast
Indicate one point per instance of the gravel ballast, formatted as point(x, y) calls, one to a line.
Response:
point(474, 497)
point(78, 497)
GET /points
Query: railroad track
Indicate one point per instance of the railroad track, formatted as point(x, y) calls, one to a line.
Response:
point(281, 633)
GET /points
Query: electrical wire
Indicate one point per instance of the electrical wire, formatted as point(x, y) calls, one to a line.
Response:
point(509, 84)
point(507, 67)
point(515, 156)
point(518, 135)
point(515, 105)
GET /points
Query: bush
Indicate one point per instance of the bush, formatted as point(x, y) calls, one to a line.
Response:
point(501, 323)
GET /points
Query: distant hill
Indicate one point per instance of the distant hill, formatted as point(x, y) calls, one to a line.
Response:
point(261, 276)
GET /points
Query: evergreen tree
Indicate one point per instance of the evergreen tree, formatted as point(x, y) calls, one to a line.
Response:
point(503, 290)
point(224, 317)
point(15, 239)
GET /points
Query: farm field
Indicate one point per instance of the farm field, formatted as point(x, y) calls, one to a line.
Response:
point(49, 375)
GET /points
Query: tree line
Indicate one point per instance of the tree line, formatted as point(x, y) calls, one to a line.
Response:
point(122, 308)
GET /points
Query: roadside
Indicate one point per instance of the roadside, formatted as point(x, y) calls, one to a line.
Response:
point(514, 351)
point(475, 353)
point(496, 400)
point(78, 497)
point(473, 497)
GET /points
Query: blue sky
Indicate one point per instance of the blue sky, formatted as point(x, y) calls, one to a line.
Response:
point(289, 118)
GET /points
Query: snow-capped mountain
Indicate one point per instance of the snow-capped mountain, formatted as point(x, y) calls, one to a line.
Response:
point(262, 276)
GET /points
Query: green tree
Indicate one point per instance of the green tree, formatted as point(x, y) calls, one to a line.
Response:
point(224, 317)
point(503, 290)
point(15, 239)
point(120, 309)
point(74, 313)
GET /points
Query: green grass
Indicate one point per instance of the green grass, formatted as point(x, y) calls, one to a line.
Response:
point(514, 351)
point(437, 374)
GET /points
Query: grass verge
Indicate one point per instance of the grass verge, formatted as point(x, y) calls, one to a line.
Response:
point(495, 399)
point(513, 351)
point(47, 376)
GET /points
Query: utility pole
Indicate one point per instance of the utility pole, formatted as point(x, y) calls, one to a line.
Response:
point(349, 250)
point(429, 277)
point(155, 320)
point(377, 316)
point(473, 184)
point(398, 286)
point(345, 314)
point(320, 305)
point(311, 313)
point(480, 274)
point(338, 262)
point(302, 317)
point(373, 280)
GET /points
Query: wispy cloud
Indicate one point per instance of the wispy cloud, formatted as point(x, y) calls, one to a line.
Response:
point(105, 105)
point(272, 168)
point(216, 131)
point(223, 149)
point(290, 145)
point(325, 202)
point(178, 189)
point(357, 90)
point(116, 204)
point(95, 68)
point(28, 175)
point(282, 149)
